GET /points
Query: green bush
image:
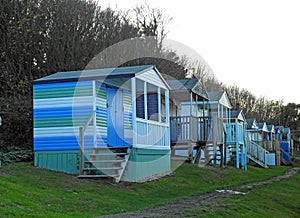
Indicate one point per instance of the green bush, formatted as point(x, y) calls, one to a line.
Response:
point(16, 129)
point(16, 156)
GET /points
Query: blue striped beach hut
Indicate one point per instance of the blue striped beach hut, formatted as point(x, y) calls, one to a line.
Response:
point(103, 122)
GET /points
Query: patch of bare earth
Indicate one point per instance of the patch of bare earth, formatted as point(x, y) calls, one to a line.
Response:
point(204, 202)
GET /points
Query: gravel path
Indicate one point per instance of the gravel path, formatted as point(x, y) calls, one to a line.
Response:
point(205, 201)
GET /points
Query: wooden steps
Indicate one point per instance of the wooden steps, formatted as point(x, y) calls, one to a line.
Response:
point(105, 162)
point(257, 161)
point(209, 153)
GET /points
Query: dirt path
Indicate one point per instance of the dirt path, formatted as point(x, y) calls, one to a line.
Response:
point(205, 201)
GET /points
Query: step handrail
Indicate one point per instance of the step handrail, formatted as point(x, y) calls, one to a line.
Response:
point(82, 130)
point(124, 166)
point(257, 152)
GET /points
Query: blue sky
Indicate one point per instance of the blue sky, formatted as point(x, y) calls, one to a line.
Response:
point(253, 44)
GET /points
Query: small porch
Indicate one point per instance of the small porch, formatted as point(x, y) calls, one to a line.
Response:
point(234, 133)
point(190, 125)
point(201, 138)
point(235, 139)
point(190, 129)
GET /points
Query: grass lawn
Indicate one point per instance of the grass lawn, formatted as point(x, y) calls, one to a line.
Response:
point(33, 192)
point(279, 199)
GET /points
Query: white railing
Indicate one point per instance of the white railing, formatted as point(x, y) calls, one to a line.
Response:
point(189, 128)
point(268, 145)
point(151, 133)
point(257, 152)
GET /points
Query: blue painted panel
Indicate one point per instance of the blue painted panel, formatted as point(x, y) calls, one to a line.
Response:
point(128, 117)
point(271, 159)
point(61, 85)
point(285, 146)
point(100, 84)
point(56, 143)
point(64, 143)
point(62, 112)
point(100, 111)
point(115, 126)
point(285, 156)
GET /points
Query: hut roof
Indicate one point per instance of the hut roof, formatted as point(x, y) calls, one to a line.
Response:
point(220, 97)
point(263, 127)
point(195, 85)
point(237, 114)
point(119, 72)
point(251, 123)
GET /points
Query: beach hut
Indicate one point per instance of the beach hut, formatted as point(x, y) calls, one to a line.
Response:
point(220, 111)
point(103, 122)
point(235, 130)
point(189, 117)
point(220, 105)
point(252, 130)
point(271, 138)
point(262, 134)
point(255, 151)
point(284, 137)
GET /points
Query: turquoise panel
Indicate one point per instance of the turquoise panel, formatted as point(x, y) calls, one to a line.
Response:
point(144, 163)
point(64, 161)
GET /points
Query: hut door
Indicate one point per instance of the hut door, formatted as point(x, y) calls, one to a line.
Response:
point(115, 128)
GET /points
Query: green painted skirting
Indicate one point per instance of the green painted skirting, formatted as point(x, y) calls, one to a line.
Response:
point(144, 163)
point(64, 161)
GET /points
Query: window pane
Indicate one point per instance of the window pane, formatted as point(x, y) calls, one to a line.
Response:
point(152, 102)
point(140, 109)
point(163, 105)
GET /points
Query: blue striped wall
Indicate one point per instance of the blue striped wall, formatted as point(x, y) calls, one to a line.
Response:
point(101, 114)
point(127, 105)
point(58, 110)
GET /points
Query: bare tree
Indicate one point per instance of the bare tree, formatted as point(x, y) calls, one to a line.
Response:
point(151, 22)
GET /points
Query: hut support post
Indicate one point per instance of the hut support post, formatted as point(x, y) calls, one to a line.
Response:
point(81, 144)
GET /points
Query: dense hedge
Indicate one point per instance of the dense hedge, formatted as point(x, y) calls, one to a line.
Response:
point(16, 113)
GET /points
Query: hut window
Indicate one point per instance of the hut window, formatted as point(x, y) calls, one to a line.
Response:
point(163, 106)
point(140, 101)
point(152, 102)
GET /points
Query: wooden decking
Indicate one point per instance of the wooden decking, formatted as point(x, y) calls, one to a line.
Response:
point(192, 136)
point(190, 129)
